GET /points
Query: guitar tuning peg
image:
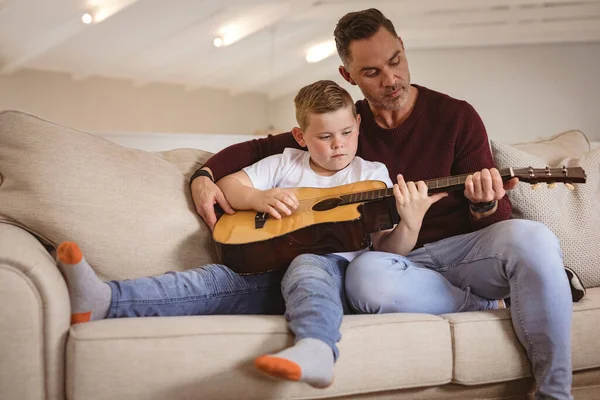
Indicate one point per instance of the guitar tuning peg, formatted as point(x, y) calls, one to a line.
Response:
point(569, 186)
point(535, 186)
point(552, 185)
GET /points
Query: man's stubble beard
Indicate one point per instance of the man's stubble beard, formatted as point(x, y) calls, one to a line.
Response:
point(387, 104)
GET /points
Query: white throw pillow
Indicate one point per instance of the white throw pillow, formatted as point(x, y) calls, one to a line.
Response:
point(574, 216)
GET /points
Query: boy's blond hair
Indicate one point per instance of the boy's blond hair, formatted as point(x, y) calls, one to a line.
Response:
point(319, 98)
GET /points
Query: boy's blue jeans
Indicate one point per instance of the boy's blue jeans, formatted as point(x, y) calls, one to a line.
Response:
point(463, 273)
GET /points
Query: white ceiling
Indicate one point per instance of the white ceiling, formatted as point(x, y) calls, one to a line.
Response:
point(171, 41)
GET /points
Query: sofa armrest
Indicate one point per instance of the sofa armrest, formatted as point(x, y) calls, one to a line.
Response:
point(34, 318)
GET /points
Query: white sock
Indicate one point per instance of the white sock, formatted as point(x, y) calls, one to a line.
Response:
point(309, 360)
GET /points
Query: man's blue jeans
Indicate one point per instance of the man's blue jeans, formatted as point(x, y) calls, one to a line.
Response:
point(519, 258)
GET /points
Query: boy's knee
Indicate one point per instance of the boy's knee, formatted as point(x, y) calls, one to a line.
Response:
point(311, 266)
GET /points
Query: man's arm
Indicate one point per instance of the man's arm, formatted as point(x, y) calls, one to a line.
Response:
point(205, 194)
point(473, 154)
point(240, 155)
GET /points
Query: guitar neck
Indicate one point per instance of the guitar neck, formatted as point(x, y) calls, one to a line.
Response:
point(448, 184)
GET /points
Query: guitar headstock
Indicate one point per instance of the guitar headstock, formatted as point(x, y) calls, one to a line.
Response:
point(550, 175)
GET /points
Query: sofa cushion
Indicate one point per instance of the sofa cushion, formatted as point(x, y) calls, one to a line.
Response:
point(157, 358)
point(486, 348)
point(129, 210)
point(574, 216)
point(563, 145)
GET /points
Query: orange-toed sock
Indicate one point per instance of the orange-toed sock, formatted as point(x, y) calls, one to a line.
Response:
point(309, 360)
point(279, 367)
point(90, 297)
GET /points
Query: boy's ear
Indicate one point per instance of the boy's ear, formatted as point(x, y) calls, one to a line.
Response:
point(299, 136)
point(358, 121)
point(346, 75)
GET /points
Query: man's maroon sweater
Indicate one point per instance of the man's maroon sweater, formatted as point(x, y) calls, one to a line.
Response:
point(442, 136)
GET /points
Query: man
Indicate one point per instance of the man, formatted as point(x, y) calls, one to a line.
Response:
point(466, 243)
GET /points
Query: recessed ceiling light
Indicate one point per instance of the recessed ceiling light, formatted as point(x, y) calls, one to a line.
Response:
point(87, 18)
point(320, 51)
point(231, 33)
point(218, 42)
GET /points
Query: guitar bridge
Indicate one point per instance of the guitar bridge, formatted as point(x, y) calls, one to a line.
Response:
point(260, 219)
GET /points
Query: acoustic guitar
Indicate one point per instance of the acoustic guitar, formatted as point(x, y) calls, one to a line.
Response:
point(337, 219)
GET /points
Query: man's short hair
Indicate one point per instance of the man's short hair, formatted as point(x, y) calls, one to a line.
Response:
point(319, 98)
point(359, 25)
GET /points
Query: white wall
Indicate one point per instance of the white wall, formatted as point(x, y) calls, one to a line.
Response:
point(521, 92)
point(167, 141)
point(102, 104)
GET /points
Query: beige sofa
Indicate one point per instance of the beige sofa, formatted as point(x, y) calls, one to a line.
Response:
point(131, 213)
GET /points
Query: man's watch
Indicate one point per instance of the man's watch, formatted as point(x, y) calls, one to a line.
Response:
point(482, 207)
point(201, 172)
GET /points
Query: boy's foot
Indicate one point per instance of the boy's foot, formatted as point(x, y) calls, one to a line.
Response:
point(309, 360)
point(577, 288)
point(90, 297)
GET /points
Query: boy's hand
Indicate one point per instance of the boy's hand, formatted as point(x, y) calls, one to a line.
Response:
point(412, 202)
point(276, 202)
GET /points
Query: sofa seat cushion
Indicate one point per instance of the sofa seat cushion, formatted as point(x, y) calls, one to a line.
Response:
point(129, 210)
point(174, 357)
point(486, 348)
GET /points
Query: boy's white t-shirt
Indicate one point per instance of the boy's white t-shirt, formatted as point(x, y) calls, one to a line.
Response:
point(292, 169)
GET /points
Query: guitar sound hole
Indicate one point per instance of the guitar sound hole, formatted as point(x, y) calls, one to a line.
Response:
point(327, 204)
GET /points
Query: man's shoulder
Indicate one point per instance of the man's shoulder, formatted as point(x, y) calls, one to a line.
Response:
point(435, 96)
point(441, 101)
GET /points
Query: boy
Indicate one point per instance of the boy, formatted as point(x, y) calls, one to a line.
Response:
point(313, 286)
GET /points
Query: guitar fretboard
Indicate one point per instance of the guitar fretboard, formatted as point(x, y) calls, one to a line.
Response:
point(451, 183)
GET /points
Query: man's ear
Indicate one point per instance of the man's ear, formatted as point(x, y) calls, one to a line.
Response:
point(346, 75)
point(299, 136)
point(401, 42)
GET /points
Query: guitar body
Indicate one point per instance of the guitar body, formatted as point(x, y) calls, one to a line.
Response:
point(247, 249)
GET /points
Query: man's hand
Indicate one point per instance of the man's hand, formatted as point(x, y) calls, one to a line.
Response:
point(205, 194)
point(486, 185)
point(275, 201)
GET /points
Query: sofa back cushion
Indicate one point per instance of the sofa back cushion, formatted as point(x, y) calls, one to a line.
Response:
point(574, 216)
point(558, 147)
point(129, 210)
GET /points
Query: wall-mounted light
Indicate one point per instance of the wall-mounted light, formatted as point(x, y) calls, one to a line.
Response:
point(218, 42)
point(320, 51)
point(87, 18)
